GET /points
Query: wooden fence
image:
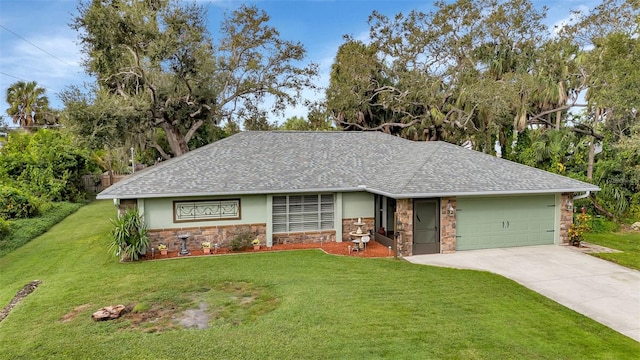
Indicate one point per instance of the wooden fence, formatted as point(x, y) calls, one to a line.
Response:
point(94, 184)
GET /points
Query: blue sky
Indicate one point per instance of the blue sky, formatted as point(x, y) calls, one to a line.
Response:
point(36, 42)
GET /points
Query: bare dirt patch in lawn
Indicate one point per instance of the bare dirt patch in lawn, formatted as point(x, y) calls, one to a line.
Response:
point(228, 303)
point(73, 313)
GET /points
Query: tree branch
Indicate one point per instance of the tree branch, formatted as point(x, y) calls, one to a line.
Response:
point(379, 127)
point(193, 130)
point(155, 145)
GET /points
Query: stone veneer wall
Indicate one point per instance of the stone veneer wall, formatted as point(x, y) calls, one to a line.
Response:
point(347, 226)
point(447, 226)
point(221, 235)
point(404, 209)
point(126, 204)
point(566, 217)
point(304, 237)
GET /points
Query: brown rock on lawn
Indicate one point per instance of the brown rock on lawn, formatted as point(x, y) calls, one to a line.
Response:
point(108, 313)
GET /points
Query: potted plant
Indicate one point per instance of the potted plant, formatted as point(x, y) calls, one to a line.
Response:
point(256, 244)
point(163, 249)
point(206, 247)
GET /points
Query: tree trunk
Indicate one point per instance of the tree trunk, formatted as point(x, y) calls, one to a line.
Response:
point(592, 155)
point(177, 142)
point(592, 147)
point(110, 166)
point(599, 207)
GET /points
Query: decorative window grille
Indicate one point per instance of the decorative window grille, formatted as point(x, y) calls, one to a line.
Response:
point(206, 210)
point(294, 213)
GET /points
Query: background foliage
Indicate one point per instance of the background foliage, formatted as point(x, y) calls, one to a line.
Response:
point(491, 75)
point(46, 164)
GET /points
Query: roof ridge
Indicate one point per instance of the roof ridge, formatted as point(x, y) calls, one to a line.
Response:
point(426, 160)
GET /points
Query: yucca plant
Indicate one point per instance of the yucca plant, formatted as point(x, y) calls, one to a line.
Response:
point(129, 235)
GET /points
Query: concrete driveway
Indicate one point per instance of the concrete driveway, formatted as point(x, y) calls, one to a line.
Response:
point(601, 290)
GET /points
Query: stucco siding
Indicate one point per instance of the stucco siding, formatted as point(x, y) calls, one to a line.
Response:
point(357, 205)
point(158, 213)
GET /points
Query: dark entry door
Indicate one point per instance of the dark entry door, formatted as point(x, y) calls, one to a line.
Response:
point(426, 234)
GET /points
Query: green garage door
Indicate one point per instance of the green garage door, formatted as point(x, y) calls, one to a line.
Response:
point(484, 223)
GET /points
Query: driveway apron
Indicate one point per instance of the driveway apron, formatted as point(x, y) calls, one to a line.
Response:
point(604, 291)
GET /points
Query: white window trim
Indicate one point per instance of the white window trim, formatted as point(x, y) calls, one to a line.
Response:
point(287, 205)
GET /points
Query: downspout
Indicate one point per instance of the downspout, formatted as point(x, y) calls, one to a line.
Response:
point(586, 194)
point(116, 203)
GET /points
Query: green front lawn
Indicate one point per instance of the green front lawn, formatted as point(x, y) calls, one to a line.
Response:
point(289, 305)
point(627, 242)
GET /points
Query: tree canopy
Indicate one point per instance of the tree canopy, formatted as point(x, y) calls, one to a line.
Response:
point(28, 105)
point(157, 60)
point(490, 74)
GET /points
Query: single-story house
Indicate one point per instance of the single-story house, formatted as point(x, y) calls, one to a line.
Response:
point(291, 186)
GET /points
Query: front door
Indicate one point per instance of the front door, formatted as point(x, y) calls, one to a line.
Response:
point(426, 234)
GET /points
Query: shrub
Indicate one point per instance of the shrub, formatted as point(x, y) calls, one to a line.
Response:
point(4, 228)
point(47, 163)
point(603, 225)
point(241, 240)
point(129, 234)
point(14, 204)
point(24, 230)
point(578, 228)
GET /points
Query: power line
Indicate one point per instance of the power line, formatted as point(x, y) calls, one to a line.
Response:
point(9, 75)
point(36, 46)
point(19, 78)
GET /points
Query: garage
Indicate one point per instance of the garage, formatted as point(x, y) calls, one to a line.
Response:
point(495, 222)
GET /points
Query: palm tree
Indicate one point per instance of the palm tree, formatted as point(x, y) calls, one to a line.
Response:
point(28, 104)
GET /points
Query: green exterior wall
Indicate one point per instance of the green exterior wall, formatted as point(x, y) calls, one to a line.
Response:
point(158, 213)
point(357, 204)
point(255, 209)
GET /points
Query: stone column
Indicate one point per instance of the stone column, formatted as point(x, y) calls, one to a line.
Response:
point(404, 211)
point(566, 216)
point(447, 226)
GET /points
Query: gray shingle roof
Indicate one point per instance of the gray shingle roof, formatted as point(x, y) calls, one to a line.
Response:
point(291, 161)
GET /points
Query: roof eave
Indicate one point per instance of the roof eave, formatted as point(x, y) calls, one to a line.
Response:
point(351, 189)
point(491, 193)
point(230, 193)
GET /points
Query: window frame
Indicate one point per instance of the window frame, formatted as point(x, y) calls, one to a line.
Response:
point(236, 216)
point(284, 220)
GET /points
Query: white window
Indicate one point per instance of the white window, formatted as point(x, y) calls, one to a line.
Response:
point(294, 213)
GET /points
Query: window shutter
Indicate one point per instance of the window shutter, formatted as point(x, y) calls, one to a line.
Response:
point(294, 213)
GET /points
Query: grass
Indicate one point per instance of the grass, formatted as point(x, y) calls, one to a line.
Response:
point(627, 242)
point(303, 304)
point(24, 230)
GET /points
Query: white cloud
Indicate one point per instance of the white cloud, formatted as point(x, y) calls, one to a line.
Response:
point(51, 58)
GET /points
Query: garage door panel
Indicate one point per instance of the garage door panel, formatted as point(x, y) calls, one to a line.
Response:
point(504, 222)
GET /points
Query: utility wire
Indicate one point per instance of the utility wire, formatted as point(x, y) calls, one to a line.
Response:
point(36, 46)
point(19, 78)
point(9, 75)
